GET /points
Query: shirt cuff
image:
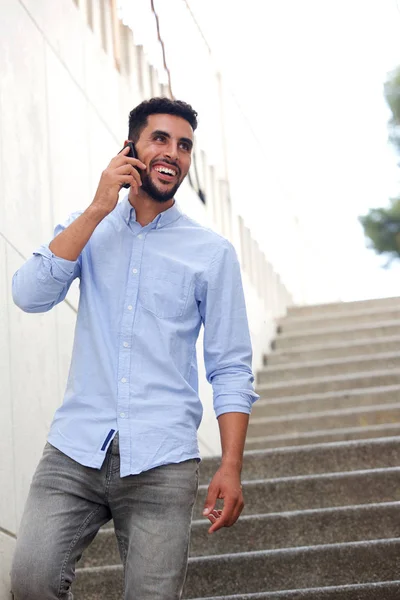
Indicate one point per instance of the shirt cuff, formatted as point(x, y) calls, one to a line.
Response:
point(58, 268)
point(239, 402)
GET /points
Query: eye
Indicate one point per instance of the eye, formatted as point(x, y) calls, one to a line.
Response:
point(185, 146)
point(159, 138)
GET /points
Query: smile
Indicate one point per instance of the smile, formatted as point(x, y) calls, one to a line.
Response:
point(166, 171)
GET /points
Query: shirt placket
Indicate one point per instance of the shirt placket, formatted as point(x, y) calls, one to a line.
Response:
point(125, 343)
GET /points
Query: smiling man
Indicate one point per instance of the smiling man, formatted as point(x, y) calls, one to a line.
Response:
point(165, 170)
point(123, 444)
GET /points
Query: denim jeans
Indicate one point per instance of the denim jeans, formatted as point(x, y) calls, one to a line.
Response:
point(68, 503)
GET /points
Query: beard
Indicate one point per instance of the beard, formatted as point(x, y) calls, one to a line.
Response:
point(156, 194)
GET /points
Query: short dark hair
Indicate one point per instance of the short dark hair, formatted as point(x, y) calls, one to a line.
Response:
point(161, 106)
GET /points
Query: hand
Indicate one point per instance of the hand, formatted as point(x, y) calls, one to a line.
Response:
point(226, 485)
point(120, 170)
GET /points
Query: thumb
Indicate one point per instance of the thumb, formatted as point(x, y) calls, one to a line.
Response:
point(211, 500)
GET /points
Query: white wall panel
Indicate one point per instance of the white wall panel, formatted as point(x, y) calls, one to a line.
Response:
point(23, 125)
point(62, 26)
point(34, 383)
point(102, 147)
point(128, 98)
point(101, 83)
point(68, 140)
point(7, 545)
point(7, 495)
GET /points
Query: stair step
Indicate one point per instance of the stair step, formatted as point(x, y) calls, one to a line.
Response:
point(273, 531)
point(322, 493)
point(367, 332)
point(320, 385)
point(322, 351)
point(262, 571)
point(388, 590)
point(328, 367)
point(326, 401)
point(383, 304)
point(352, 416)
point(315, 566)
point(329, 435)
point(301, 528)
point(326, 490)
point(313, 459)
point(342, 319)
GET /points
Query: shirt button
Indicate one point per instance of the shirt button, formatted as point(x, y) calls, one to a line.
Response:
point(123, 380)
point(140, 236)
point(126, 344)
point(122, 415)
point(134, 270)
point(130, 307)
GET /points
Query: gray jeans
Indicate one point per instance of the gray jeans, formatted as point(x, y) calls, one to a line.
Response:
point(68, 503)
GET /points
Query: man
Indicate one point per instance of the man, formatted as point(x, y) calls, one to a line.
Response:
point(123, 445)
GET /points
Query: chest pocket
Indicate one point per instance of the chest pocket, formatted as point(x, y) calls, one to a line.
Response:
point(164, 292)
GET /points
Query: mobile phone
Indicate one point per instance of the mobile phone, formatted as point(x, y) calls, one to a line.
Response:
point(132, 154)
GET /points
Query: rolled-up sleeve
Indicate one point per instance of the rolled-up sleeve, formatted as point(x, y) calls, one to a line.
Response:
point(44, 279)
point(227, 343)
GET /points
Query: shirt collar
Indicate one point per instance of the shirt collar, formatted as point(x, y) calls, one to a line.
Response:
point(164, 218)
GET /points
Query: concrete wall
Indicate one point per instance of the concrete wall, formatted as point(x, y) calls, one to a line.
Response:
point(63, 114)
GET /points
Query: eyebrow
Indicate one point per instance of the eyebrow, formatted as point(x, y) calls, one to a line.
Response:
point(183, 139)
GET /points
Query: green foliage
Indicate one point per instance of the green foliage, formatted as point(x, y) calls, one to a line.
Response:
point(392, 97)
point(382, 227)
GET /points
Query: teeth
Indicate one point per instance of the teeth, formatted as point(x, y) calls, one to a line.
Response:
point(165, 170)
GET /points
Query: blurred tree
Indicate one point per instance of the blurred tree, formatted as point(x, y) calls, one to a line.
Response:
point(382, 228)
point(382, 225)
point(391, 92)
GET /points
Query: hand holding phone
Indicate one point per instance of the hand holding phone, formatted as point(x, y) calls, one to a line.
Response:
point(123, 171)
point(131, 154)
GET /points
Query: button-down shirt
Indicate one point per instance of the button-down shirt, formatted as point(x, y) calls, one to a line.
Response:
point(144, 294)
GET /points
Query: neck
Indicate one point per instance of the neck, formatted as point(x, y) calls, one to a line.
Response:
point(146, 208)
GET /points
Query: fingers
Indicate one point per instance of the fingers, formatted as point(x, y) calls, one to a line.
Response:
point(135, 162)
point(211, 499)
point(130, 170)
point(237, 512)
point(131, 183)
point(123, 159)
point(224, 519)
point(214, 515)
point(128, 174)
point(228, 516)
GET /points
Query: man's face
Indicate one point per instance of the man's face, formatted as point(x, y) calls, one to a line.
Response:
point(165, 147)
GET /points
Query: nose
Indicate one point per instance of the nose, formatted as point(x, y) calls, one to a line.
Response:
point(172, 151)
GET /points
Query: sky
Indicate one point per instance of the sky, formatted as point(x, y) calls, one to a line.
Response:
point(309, 74)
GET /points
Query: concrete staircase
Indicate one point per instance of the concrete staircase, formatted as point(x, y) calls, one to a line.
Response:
point(321, 474)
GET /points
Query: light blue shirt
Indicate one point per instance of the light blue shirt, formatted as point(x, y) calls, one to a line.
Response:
point(144, 293)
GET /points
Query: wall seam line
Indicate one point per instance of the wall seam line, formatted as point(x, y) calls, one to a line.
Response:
point(95, 109)
point(8, 533)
